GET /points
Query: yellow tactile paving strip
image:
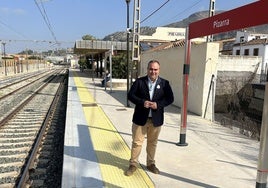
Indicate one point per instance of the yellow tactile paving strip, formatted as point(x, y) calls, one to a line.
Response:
point(111, 150)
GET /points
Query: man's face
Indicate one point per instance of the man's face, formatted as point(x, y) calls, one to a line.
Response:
point(153, 71)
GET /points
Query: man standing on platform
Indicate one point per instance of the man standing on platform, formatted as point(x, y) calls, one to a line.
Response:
point(150, 94)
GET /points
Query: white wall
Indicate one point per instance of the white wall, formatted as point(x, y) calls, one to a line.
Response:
point(205, 62)
point(21, 67)
point(238, 63)
point(171, 68)
point(234, 72)
point(204, 58)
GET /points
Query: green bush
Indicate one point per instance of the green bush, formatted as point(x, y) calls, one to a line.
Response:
point(119, 66)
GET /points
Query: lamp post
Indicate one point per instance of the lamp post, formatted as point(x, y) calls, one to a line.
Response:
point(128, 31)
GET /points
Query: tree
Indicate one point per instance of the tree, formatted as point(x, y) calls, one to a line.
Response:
point(88, 37)
point(119, 66)
point(27, 51)
point(82, 62)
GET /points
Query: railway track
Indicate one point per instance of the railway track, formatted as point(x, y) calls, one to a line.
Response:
point(18, 79)
point(29, 132)
point(19, 89)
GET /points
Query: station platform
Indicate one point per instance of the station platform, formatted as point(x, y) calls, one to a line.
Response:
point(98, 140)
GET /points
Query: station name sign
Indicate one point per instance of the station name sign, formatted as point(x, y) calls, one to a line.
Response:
point(246, 16)
point(176, 33)
point(221, 23)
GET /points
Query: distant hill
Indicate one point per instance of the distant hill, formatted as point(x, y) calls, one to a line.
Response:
point(192, 18)
point(121, 36)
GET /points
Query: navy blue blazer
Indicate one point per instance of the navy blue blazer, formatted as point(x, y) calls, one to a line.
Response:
point(139, 92)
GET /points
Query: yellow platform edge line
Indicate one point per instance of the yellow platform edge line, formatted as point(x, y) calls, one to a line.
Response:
point(111, 150)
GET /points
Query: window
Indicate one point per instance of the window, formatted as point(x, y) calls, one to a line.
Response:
point(237, 52)
point(256, 51)
point(246, 52)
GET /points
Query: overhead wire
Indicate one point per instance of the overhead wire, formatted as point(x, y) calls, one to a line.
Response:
point(116, 34)
point(10, 28)
point(188, 8)
point(46, 19)
point(15, 41)
point(24, 39)
point(155, 11)
point(158, 9)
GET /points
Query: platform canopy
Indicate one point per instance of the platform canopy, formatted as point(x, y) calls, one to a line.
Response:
point(94, 47)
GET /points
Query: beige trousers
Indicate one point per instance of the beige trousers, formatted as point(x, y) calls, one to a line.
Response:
point(138, 136)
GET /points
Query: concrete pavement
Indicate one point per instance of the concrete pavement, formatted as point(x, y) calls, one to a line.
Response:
point(216, 156)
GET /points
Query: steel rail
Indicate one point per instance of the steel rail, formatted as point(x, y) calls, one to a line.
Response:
point(30, 162)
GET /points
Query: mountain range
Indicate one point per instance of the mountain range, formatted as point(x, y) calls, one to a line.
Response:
point(121, 35)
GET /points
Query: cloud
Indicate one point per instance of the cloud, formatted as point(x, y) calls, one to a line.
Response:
point(7, 11)
point(4, 10)
point(19, 11)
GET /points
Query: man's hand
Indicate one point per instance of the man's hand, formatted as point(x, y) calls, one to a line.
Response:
point(153, 105)
point(149, 104)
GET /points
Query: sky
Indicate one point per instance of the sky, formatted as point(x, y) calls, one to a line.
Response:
point(42, 25)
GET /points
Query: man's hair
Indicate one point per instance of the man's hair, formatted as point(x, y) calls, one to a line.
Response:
point(153, 61)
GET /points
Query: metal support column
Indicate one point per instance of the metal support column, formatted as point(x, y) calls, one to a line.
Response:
point(186, 71)
point(136, 40)
point(128, 30)
point(211, 13)
point(5, 63)
point(262, 172)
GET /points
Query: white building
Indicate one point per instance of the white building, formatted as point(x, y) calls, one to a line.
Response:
point(164, 35)
point(248, 44)
point(168, 34)
point(244, 36)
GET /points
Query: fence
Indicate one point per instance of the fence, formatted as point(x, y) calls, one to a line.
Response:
point(11, 67)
